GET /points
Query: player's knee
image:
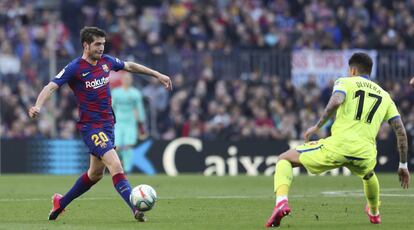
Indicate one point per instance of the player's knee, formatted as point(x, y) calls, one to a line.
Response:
point(286, 156)
point(115, 168)
point(291, 156)
point(283, 156)
point(368, 175)
point(95, 176)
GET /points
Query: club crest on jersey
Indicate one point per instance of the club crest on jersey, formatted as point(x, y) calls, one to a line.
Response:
point(103, 145)
point(313, 143)
point(105, 68)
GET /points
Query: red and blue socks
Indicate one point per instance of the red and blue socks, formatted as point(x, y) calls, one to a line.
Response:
point(83, 184)
point(121, 185)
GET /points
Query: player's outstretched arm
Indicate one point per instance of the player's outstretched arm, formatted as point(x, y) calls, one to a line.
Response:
point(137, 68)
point(44, 95)
point(402, 144)
point(335, 101)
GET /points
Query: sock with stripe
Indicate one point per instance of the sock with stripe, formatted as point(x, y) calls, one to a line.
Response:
point(121, 185)
point(82, 185)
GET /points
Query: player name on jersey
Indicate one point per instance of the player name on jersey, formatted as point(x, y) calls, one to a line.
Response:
point(366, 84)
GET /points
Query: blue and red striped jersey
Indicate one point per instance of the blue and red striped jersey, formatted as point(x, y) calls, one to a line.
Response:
point(90, 84)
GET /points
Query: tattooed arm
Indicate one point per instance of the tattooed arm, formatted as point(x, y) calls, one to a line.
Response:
point(401, 135)
point(402, 144)
point(335, 101)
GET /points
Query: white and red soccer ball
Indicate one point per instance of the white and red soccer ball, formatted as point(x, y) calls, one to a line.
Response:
point(143, 197)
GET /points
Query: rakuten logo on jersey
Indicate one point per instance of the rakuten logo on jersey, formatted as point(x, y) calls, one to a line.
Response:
point(97, 83)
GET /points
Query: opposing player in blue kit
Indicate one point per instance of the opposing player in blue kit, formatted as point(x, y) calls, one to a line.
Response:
point(88, 77)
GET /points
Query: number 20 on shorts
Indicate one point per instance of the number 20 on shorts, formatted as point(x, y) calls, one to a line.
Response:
point(99, 138)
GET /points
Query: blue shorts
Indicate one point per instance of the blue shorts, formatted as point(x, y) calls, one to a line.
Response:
point(99, 140)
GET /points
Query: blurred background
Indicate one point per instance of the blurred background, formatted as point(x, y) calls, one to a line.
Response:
point(249, 77)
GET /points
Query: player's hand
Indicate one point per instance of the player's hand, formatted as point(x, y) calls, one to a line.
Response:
point(412, 82)
point(310, 131)
point(34, 112)
point(404, 177)
point(165, 80)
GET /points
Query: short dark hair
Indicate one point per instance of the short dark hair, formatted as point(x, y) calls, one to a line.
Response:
point(362, 62)
point(89, 32)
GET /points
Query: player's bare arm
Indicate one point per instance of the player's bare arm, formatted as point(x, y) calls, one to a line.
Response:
point(137, 68)
point(44, 95)
point(335, 101)
point(399, 130)
point(402, 143)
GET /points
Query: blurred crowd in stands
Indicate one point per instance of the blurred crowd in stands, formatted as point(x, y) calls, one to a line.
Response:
point(256, 106)
point(259, 107)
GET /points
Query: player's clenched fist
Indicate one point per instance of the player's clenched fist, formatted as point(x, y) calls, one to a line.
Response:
point(165, 80)
point(309, 132)
point(412, 82)
point(34, 111)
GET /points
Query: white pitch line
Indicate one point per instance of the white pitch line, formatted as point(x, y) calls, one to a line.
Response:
point(160, 198)
point(361, 194)
point(45, 199)
point(360, 190)
point(353, 193)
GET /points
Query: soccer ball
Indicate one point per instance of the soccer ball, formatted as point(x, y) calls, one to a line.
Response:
point(143, 197)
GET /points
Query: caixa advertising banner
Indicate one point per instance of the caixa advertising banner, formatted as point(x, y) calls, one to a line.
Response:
point(192, 155)
point(181, 155)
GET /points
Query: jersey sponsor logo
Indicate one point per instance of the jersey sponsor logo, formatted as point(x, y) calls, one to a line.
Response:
point(84, 74)
point(117, 60)
point(105, 68)
point(60, 74)
point(97, 83)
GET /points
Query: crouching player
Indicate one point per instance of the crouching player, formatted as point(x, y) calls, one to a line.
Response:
point(361, 106)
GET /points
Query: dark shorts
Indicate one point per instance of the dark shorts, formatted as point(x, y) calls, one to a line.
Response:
point(99, 140)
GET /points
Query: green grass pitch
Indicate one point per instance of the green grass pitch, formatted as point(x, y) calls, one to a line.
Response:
point(197, 202)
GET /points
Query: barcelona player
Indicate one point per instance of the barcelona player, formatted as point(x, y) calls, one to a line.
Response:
point(360, 106)
point(88, 77)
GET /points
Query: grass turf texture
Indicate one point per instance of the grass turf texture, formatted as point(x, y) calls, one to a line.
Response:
point(197, 202)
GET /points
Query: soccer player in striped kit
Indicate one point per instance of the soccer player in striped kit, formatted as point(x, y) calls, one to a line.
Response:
point(88, 77)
